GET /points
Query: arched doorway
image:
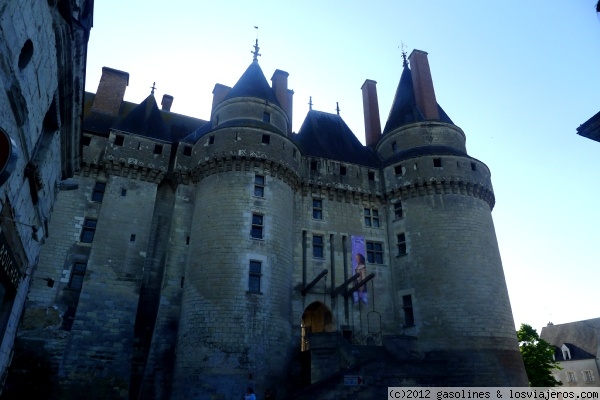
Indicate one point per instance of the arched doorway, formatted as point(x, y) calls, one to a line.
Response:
point(315, 319)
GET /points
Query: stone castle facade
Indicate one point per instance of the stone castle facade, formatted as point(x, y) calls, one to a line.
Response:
point(43, 49)
point(199, 257)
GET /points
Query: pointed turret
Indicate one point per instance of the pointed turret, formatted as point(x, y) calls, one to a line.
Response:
point(253, 83)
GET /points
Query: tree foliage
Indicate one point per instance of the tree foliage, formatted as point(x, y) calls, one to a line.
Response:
point(538, 356)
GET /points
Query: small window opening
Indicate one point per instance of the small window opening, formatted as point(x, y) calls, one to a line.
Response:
point(211, 140)
point(437, 162)
point(401, 244)
point(398, 211)
point(158, 149)
point(394, 147)
point(254, 276)
point(398, 170)
point(123, 192)
point(473, 166)
point(257, 226)
point(407, 307)
point(317, 209)
point(187, 150)
point(343, 170)
point(314, 165)
point(98, 192)
point(119, 140)
point(187, 240)
point(132, 238)
point(371, 175)
point(26, 54)
point(266, 117)
point(266, 139)
point(86, 140)
point(259, 185)
point(318, 246)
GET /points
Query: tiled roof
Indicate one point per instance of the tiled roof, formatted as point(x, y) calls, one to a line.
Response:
point(253, 83)
point(582, 337)
point(327, 135)
point(404, 109)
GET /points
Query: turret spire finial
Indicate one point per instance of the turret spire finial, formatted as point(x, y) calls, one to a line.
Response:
point(337, 107)
point(153, 87)
point(310, 103)
point(404, 62)
point(256, 48)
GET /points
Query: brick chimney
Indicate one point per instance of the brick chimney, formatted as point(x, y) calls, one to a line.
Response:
point(111, 91)
point(284, 96)
point(219, 93)
point(167, 102)
point(423, 85)
point(371, 113)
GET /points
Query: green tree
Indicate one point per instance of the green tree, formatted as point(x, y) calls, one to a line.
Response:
point(538, 356)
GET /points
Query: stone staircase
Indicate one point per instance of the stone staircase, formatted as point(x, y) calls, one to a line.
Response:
point(366, 372)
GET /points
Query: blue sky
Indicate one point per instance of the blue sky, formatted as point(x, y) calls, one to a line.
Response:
point(517, 76)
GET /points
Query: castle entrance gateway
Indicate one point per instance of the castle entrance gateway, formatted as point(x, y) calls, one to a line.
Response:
point(316, 318)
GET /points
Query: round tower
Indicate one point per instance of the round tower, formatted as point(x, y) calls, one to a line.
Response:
point(449, 282)
point(236, 311)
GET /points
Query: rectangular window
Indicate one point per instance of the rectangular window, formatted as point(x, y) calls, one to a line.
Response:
point(254, 276)
point(371, 175)
point(375, 252)
point(317, 246)
point(587, 376)
point(86, 140)
point(394, 147)
point(571, 376)
point(259, 185)
point(343, 170)
point(371, 217)
point(317, 209)
point(257, 226)
point(158, 149)
point(473, 166)
point(123, 192)
point(211, 140)
point(266, 139)
point(98, 193)
point(407, 307)
point(398, 170)
point(401, 244)
point(398, 212)
point(88, 231)
point(314, 165)
point(119, 140)
point(77, 275)
point(187, 150)
point(437, 162)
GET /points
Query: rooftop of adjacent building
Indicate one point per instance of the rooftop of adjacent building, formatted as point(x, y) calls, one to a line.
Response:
point(582, 338)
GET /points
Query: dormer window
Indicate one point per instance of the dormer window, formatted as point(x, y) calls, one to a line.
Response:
point(566, 352)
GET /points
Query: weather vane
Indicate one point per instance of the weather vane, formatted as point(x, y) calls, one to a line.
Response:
point(337, 107)
point(153, 87)
point(310, 103)
point(402, 47)
point(256, 48)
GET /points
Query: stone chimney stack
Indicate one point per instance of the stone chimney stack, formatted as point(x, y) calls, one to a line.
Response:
point(167, 102)
point(111, 91)
point(423, 85)
point(284, 96)
point(219, 93)
point(371, 113)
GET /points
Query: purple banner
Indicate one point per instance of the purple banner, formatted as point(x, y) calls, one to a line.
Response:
point(359, 266)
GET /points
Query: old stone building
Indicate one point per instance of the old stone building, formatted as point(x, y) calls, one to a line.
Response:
point(199, 257)
point(43, 50)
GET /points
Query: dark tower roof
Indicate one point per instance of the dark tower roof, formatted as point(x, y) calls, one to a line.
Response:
point(404, 109)
point(253, 84)
point(145, 120)
point(327, 135)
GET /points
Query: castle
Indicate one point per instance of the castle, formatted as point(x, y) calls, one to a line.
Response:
point(197, 258)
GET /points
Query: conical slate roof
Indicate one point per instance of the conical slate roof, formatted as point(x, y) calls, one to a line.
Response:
point(327, 135)
point(404, 109)
point(253, 83)
point(145, 120)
